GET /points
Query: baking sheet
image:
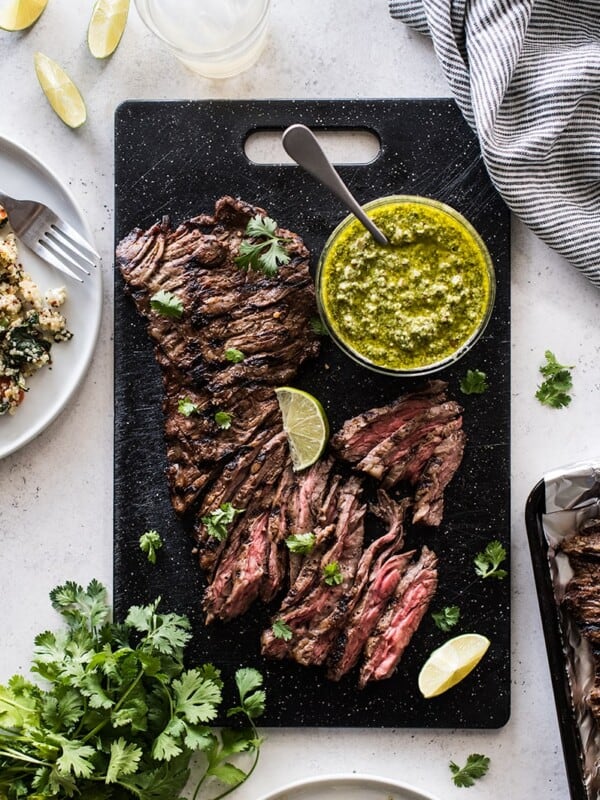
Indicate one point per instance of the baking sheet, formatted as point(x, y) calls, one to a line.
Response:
point(176, 158)
point(556, 508)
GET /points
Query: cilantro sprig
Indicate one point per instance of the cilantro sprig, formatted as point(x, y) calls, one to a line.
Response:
point(150, 543)
point(332, 574)
point(119, 715)
point(487, 563)
point(218, 521)
point(301, 543)
point(223, 419)
point(234, 355)
point(475, 768)
point(262, 249)
point(447, 618)
point(187, 407)
point(281, 630)
point(558, 382)
point(474, 382)
point(167, 304)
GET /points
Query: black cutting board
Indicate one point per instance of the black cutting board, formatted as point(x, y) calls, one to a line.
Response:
point(176, 158)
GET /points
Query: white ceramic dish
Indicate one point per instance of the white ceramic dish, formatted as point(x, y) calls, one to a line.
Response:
point(23, 176)
point(348, 787)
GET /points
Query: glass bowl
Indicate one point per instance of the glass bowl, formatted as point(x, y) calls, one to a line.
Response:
point(413, 307)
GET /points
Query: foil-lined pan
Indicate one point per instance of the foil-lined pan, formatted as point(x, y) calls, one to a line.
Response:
point(556, 508)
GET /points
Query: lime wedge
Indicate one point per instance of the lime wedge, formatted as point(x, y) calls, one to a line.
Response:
point(60, 90)
point(451, 662)
point(305, 423)
point(106, 27)
point(20, 14)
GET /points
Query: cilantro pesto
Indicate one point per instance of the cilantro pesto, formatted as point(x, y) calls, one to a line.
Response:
point(415, 303)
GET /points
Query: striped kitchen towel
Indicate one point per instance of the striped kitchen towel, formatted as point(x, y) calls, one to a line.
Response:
point(526, 76)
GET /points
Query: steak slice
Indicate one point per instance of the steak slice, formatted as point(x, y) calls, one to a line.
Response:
point(377, 576)
point(406, 439)
point(402, 617)
point(437, 474)
point(313, 610)
point(417, 438)
point(361, 433)
point(586, 542)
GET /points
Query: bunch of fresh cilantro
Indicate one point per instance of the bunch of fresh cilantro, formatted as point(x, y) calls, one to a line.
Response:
point(119, 716)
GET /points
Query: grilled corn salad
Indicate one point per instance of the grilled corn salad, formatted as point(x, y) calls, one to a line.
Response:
point(29, 325)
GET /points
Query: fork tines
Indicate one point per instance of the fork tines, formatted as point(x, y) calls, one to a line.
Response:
point(63, 247)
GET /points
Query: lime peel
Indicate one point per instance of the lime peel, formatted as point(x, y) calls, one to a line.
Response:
point(451, 663)
point(60, 91)
point(306, 425)
point(21, 14)
point(106, 27)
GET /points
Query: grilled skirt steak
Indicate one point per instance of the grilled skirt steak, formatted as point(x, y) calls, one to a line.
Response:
point(582, 595)
point(225, 444)
point(418, 439)
point(399, 621)
point(224, 308)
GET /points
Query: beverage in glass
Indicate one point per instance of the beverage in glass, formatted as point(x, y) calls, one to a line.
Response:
point(216, 38)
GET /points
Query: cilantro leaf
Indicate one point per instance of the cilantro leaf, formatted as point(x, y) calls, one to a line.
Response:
point(166, 304)
point(223, 419)
point(150, 543)
point(474, 382)
point(318, 326)
point(252, 696)
point(554, 390)
point(476, 767)
point(75, 757)
point(447, 618)
point(233, 355)
point(186, 407)
point(124, 759)
point(87, 607)
point(281, 630)
point(217, 521)
point(197, 697)
point(332, 574)
point(487, 563)
point(301, 543)
point(266, 255)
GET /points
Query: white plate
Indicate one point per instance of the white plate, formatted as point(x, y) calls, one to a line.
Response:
point(348, 787)
point(24, 177)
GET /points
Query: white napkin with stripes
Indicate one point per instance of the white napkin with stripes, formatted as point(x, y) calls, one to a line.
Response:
point(526, 76)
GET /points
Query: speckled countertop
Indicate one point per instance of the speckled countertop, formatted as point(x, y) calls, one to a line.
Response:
point(56, 493)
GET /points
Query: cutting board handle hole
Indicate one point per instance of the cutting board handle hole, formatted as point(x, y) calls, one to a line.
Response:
point(342, 146)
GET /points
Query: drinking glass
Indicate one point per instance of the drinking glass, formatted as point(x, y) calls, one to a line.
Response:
point(215, 38)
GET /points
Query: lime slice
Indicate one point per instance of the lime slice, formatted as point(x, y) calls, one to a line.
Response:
point(451, 662)
point(20, 14)
point(106, 26)
point(60, 90)
point(305, 423)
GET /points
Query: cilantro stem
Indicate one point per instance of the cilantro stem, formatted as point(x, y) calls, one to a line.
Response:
point(20, 757)
point(118, 705)
point(230, 789)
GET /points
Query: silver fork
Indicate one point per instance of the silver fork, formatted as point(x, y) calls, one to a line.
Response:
point(49, 236)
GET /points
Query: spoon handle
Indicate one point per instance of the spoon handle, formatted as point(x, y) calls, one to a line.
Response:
point(300, 143)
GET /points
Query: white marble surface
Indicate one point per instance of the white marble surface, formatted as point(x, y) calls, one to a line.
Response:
point(56, 493)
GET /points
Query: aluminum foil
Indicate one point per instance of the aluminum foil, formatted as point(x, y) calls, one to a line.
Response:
point(572, 497)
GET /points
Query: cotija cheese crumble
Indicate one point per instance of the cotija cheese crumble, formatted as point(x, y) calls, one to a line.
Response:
point(29, 325)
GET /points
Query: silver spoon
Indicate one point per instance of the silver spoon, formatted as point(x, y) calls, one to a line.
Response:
point(300, 143)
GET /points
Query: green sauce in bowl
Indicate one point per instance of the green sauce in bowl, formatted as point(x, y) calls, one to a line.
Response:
point(416, 305)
